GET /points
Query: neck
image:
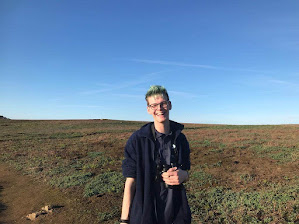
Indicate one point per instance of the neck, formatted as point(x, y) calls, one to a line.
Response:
point(163, 127)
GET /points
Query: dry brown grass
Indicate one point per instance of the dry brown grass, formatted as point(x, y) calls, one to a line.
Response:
point(240, 174)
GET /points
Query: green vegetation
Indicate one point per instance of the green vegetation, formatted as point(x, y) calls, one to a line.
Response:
point(105, 216)
point(220, 205)
point(199, 178)
point(281, 154)
point(109, 182)
point(72, 180)
point(215, 147)
point(239, 174)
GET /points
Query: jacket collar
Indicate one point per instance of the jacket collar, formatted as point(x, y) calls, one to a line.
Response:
point(148, 131)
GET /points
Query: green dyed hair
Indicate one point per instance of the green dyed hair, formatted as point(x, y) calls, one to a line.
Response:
point(157, 90)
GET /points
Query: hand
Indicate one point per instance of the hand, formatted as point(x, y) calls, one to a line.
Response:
point(174, 176)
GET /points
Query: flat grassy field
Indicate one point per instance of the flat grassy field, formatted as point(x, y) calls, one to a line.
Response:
point(239, 174)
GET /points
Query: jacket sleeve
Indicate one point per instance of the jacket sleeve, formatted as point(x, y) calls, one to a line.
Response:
point(185, 165)
point(129, 163)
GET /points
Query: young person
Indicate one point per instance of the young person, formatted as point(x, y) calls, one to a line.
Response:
point(156, 165)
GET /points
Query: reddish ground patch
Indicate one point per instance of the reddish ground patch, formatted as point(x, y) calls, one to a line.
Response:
point(229, 154)
point(21, 195)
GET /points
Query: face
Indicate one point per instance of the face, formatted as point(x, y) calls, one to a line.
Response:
point(160, 113)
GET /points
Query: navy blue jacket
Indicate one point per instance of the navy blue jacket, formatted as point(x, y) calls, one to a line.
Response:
point(139, 164)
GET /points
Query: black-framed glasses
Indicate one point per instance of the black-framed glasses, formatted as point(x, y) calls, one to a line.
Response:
point(163, 104)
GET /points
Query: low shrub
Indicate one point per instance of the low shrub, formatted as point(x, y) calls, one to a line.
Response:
point(220, 205)
point(105, 183)
point(75, 179)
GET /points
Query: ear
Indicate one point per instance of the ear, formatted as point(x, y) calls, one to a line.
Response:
point(148, 109)
point(170, 105)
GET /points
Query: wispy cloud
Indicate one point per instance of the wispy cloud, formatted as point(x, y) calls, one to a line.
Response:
point(92, 92)
point(81, 106)
point(107, 87)
point(173, 63)
point(55, 100)
point(129, 96)
point(281, 82)
point(185, 94)
point(284, 83)
point(161, 62)
point(271, 84)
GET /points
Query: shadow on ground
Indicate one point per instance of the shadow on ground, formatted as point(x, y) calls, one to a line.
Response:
point(2, 206)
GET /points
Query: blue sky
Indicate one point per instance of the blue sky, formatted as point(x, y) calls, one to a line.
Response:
point(223, 62)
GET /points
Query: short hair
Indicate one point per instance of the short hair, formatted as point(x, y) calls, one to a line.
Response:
point(155, 90)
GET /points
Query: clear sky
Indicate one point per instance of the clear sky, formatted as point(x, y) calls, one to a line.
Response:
point(223, 62)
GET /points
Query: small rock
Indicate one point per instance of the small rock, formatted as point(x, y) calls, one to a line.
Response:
point(46, 208)
point(32, 216)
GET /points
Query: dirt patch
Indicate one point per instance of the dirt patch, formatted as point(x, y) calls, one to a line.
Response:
point(231, 168)
point(22, 195)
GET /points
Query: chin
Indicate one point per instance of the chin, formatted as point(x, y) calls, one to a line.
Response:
point(161, 120)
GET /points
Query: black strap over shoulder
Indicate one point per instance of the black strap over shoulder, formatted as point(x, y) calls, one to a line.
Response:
point(173, 150)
